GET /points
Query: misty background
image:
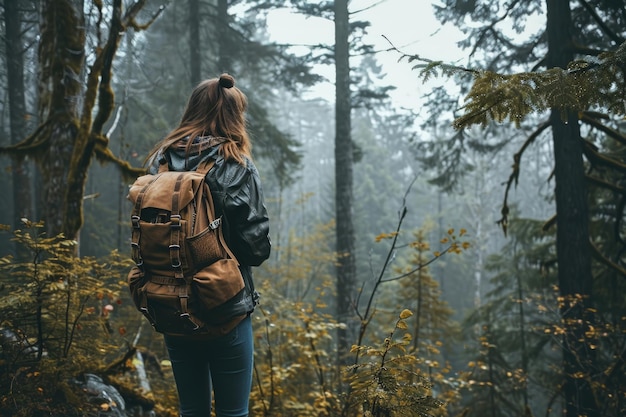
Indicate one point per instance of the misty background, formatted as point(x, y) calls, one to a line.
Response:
point(429, 231)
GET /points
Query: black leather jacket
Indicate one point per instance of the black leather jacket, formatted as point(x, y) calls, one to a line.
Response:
point(237, 195)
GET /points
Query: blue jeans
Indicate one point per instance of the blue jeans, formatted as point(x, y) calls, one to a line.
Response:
point(222, 365)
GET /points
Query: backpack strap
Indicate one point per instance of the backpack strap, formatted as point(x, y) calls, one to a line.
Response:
point(175, 225)
point(205, 167)
point(163, 164)
point(136, 229)
point(183, 296)
point(246, 278)
point(175, 229)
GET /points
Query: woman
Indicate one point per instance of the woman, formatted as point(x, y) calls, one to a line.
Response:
point(213, 127)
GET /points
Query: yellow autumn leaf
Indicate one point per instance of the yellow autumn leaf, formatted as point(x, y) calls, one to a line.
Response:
point(385, 236)
point(405, 314)
point(402, 325)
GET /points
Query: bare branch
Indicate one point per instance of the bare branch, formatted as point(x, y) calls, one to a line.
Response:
point(514, 177)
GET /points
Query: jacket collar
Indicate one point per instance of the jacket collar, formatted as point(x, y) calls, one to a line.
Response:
point(201, 149)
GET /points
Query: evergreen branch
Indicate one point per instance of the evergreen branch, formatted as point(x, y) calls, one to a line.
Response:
point(585, 50)
point(600, 22)
point(549, 223)
point(592, 82)
point(612, 133)
point(491, 27)
point(595, 157)
point(605, 184)
point(497, 97)
point(595, 251)
point(596, 115)
point(429, 64)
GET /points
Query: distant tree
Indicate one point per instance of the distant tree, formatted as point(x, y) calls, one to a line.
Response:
point(195, 46)
point(15, 52)
point(346, 262)
point(226, 42)
point(348, 96)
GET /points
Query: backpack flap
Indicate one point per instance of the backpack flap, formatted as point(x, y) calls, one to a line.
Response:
point(162, 218)
point(157, 190)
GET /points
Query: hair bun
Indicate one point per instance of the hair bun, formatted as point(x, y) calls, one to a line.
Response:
point(227, 81)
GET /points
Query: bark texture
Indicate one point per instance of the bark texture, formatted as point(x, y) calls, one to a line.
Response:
point(573, 249)
point(346, 267)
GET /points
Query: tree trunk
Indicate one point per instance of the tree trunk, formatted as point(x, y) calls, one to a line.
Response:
point(346, 270)
point(195, 56)
point(61, 55)
point(573, 249)
point(224, 55)
point(22, 201)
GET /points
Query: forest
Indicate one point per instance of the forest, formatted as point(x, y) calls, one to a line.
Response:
point(465, 257)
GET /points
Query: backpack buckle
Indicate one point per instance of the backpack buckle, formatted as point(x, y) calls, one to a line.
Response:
point(174, 252)
point(196, 326)
point(175, 219)
point(135, 221)
point(215, 223)
point(136, 254)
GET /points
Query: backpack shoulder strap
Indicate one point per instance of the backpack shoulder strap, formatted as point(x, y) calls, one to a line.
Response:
point(163, 165)
point(205, 166)
point(216, 223)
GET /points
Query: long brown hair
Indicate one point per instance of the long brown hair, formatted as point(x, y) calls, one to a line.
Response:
point(215, 108)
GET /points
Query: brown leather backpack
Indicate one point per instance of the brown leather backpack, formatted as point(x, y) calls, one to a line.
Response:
point(186, 278)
